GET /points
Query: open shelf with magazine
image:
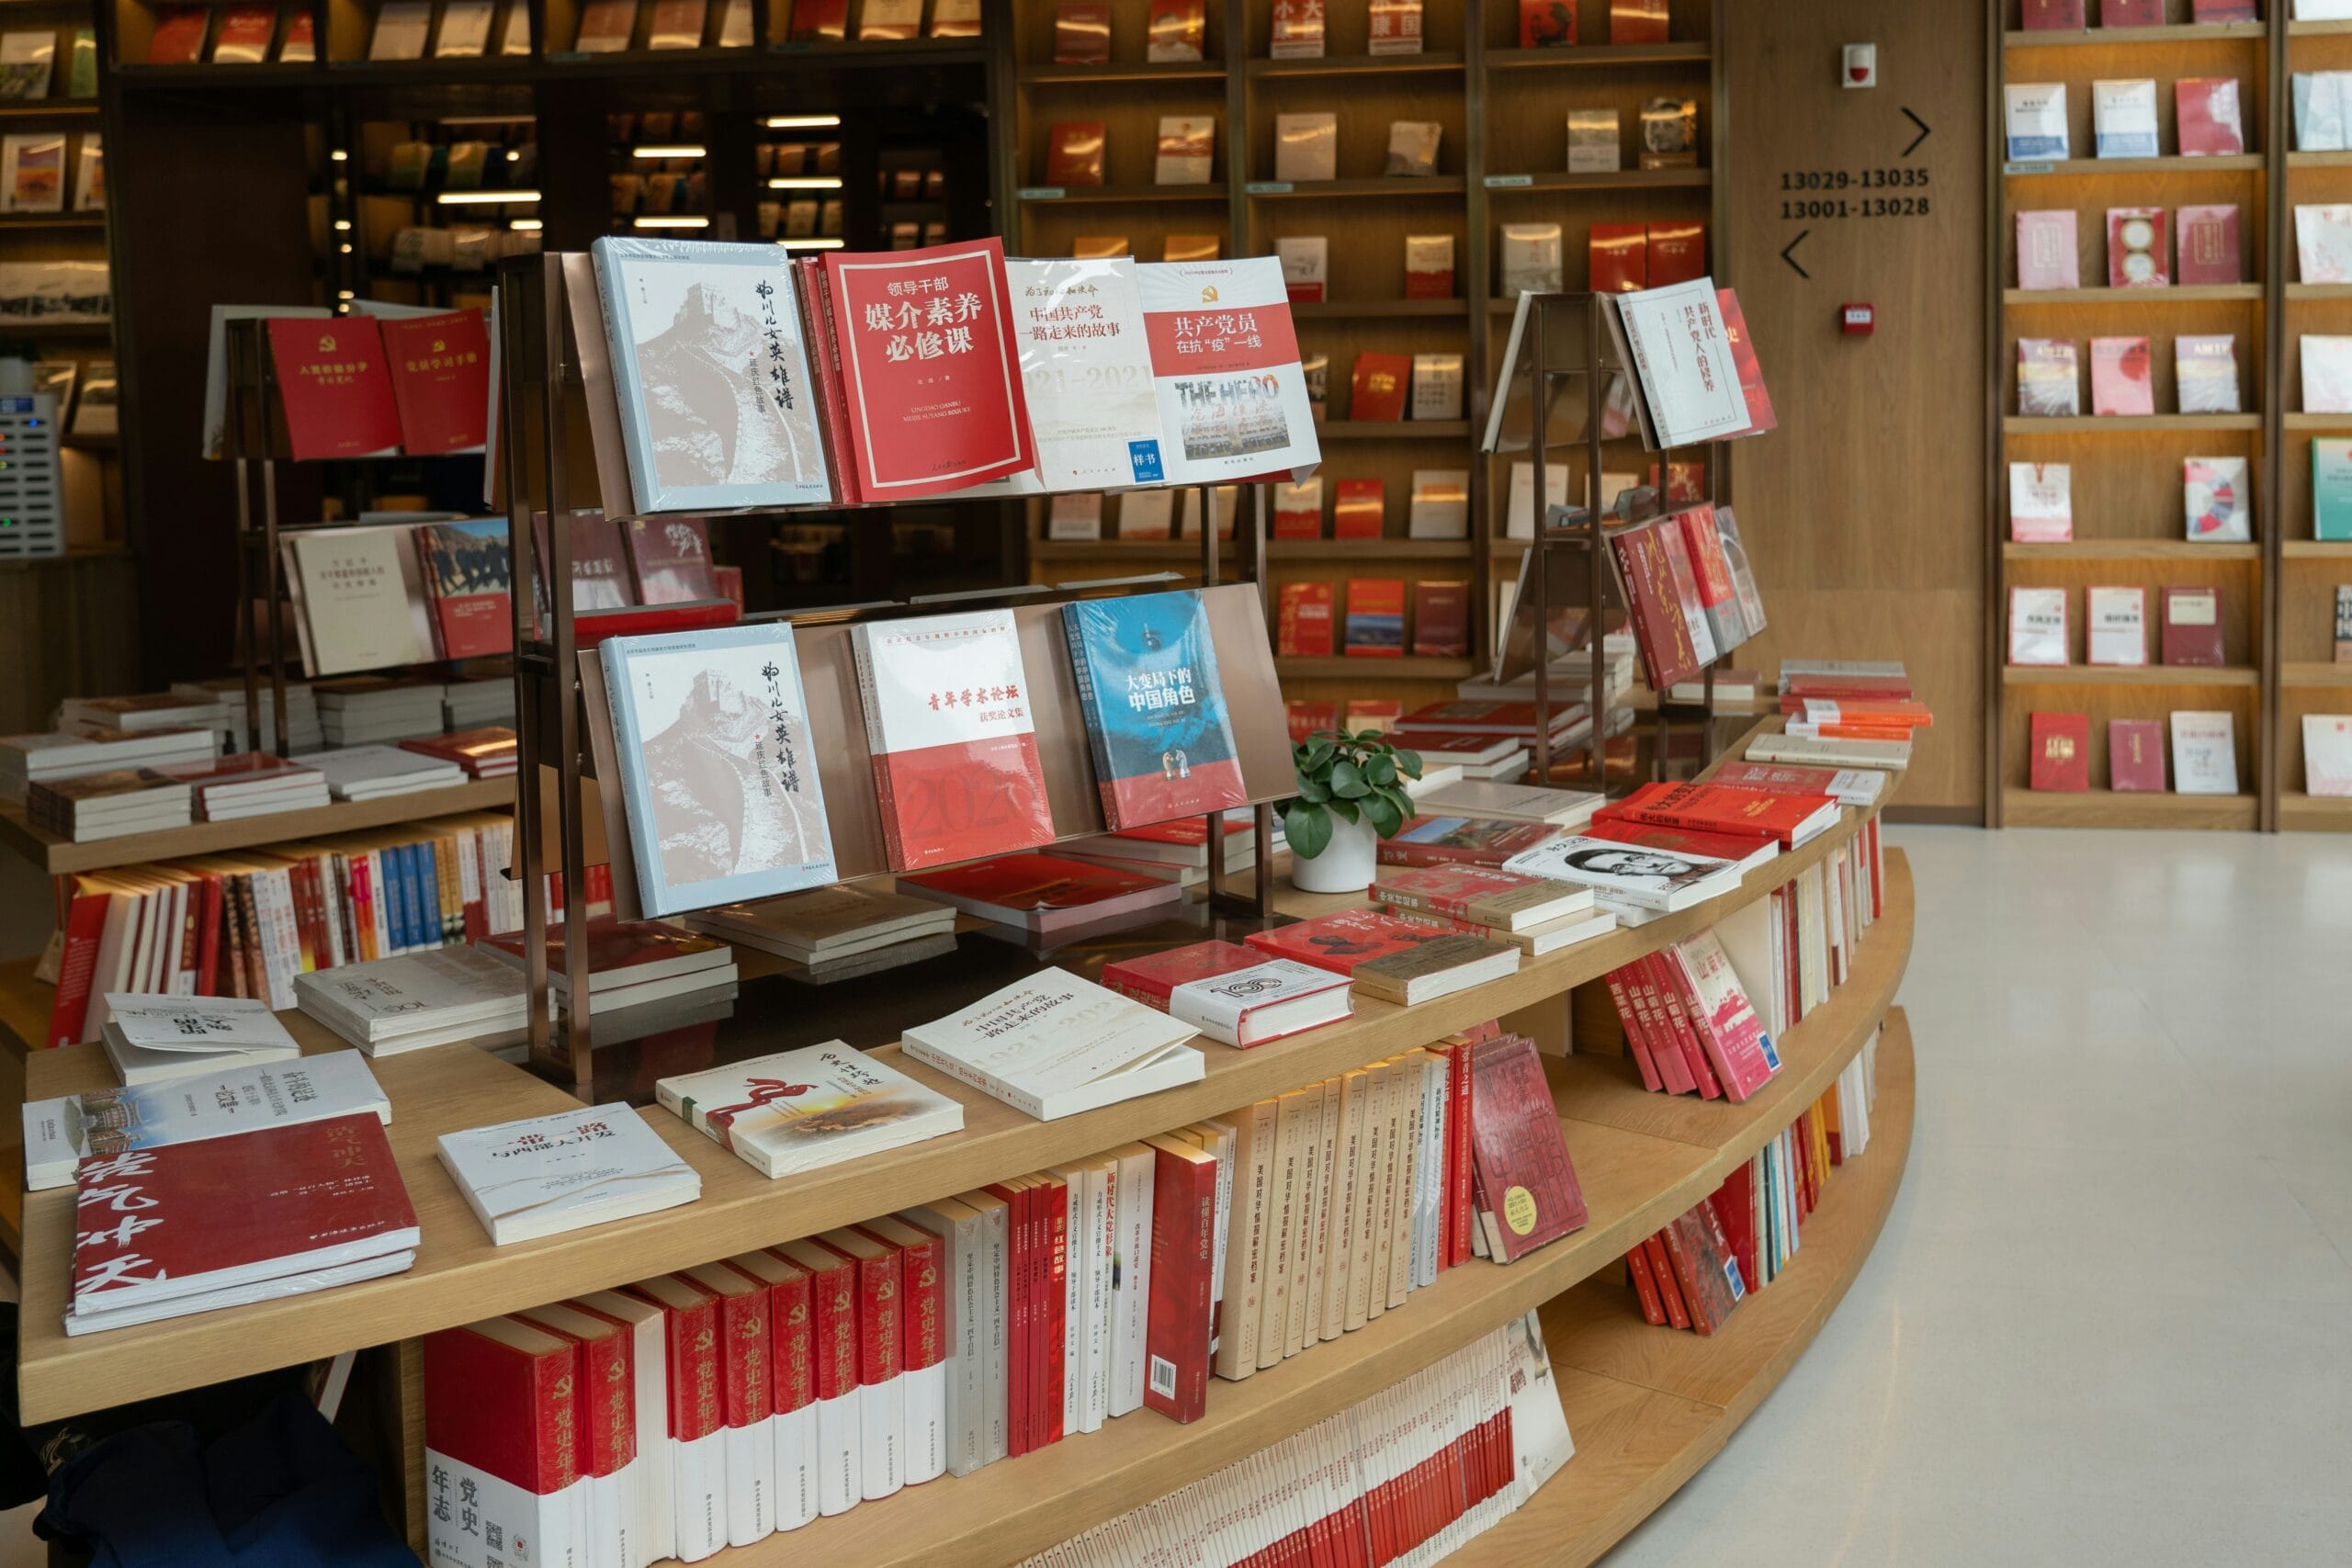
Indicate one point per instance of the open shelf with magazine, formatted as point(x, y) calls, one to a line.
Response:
point(2137, 366)
point(1641, 1158)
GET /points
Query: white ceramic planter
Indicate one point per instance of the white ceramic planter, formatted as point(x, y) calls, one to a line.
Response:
point(1344, 866)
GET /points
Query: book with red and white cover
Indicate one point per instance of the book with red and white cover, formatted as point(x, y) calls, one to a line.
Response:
point(930, 367)
point(1055, 1044)
point(1527, 1189)
point(2135, 753)
point(792, 1423)
point(954, 748)
point(2192, 626)
point(2041, 506)
point(2323, 242)
point(2207, 118)
point(1344, 940)
point(923, 1329)
point(881, 1356)
point(2038, 625)
point(2137, 253)
point(1728, 1030)
point(2116, 625)
point(834, 1348)
point(1859, 787)
point(1431, 840)
point(2207, 243)
point(1230, 993)
point(502, 1434)
point(605, 1440)
point(1304, 625)
point(187, 1220)
point(670, 558)
point(1043, 893)
point(467, 574)
point(1789, 819)
point(336, 387)
point(2048, 251)
point(2061, 755)
point(1479, 895)
point(652, 1515)
point(697, 1414)
point(440, 379)
point(747, 1397)
point(1179, 1316)
point(1664, 633)
point(2120, 379)
point(1225, 361)
point(1760, 417)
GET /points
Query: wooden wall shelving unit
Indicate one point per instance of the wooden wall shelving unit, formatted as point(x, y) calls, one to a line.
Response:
point(1504, 110)
point(2278, 593)
point(1641, 1158)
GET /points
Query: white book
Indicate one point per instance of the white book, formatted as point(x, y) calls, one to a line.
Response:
point(1147, 515)
point(1531, 265)
point(359, 772)
point(2123, 115)
point(245, 1294)
point(1306, 147)
point(1307, 267)
point(1219, 1139)
point(2204, 753)
point(1077, 518)
point(2327, 771)
point(1131, 1293)
point(1437, 386)
point(996, 1327)
point(1055, 1044)
point(2042, 507)
point(1511, 802)
point(1627, 875)
point(149, 1037)
point(962, 1233)
point(1260, 1002)
point(654, 1527)
point(1675, 336)
point(738, 1107)
point(2323, 242)
point(2038, 626)
point(793, 1434)
point(1434, 1117)
point(2036, 121)
point(1301, 1252)
point(362, 599)
point(1595, 144)
point(439, 994)
point(2117, 625)
point(465, 28)
point(1519, 514)
point(401, 27)
point(1232, 411)
point(2215, 496)
point(1186, 149)
point(26, 59)
point(1315, 1243)
point(1295, 1118)
point(549, 1174)
point(60, 1134)
point(2327, 373)
point(717, 401)
point(1829, 751)
point(1100, 1248)
point(1093, 411)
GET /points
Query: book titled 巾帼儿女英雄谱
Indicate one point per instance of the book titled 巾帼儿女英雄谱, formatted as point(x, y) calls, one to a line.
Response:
point(1156, 717)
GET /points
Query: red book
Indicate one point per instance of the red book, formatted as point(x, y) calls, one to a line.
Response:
point(1753, 815)
point(1546, 24)
point(1375, 618)
point(1734, 1206)
point(502, 1404)
point(84, 923)
point(1637, 1271)
point(188, 1218)
point(1344, 940)
point(1304, 629)
point(1760, 417)
point(336, 390)
point(1645, 573)
point(2203, 11)
point(2061, 754)
point(606, 1439)
point(640, 621)
point(1361, 509)
point(440, 379)
point(2192, 626)
point(814, 21)
point(1676, 251)
point(620, 952)
point(1670, 1012)
point(746, 1383)
point(825, 356)
point(2053, 16)
point(832, 1316)
point(792, 1362)
point(244, 35)
point(1304, 718)
point(1673, 841)
point(2206, 114)
point(179, 38)
point(670, 559)
point(1083, 32)
point(1041, 892)
point(1442, 619)
point(1468, 717)
point(1464, 1167)
point(1529, 1185)
point(1707, 1291)
point(1705, 544)
point(2209, 244)
point(1184, 1265)
point(2123, 14)
point(1052, 1199)
point(2119, 377)
point(1435, 841)
point(1721, 1015)
point(2135, 755)
point(1618, 255)
point(466, 578)
point(1298, 511)
point(1662, 1271)
point(931, 410)
point(922, 1308)
point(1376, 392)
point(2137, 248)
point(1634, 1026)
point(1074, 154)
point(1153, 980)
point(1637, 21)
point(881, 1349)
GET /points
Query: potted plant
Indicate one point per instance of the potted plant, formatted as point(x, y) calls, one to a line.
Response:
point(1350, 796)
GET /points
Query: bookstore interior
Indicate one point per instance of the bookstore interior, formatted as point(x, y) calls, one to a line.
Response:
point(1417, 1083)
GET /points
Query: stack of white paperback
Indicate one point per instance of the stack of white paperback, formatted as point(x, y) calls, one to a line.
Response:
point(473, 705)
point(836, 931)
point(249, 783)
point(373, 772)
point(630, 963)
point(60, 1134)
point(368, 708)
point(149, 1038)
point(1511, 803)
point(1633, 883)
point(550, 1174)
point(302, 730)
point(159, 710)
point(109, 806)
point(1054, 1045)
point(28, 760)
point(1171, 852)
point(798, 1109)
point(437, 997)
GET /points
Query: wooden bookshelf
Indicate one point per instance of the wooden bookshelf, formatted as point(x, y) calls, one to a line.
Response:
point(2111, 809)
point(56, 856)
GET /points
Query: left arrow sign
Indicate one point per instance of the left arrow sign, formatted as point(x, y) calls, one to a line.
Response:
point(1791, 245)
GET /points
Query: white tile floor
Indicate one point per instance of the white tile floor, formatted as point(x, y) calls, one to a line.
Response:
point(2106, 1322)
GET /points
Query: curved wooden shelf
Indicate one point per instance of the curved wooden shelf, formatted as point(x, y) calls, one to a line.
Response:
point(1648, 1406)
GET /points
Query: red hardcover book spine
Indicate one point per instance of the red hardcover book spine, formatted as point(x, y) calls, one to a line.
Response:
point(1635, 1045)
point(208, 951)
point(1463, 1198)
point(1672, 1009)
point(1678, 1312)
point(833, 407)
point(1637, 1266)
point(1696, 1299)
point(881, 1343)
point(84, 922)
point(508, 1411)
point(1183, 1248)
point(1018, 1304)
point(1666, 1046)
point(690, 1343)
point(793, 1343)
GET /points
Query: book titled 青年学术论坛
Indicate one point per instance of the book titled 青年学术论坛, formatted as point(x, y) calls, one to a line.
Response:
point(1155, 719)
point(1055, 1044)
point(798, 1109)
point(719, 768)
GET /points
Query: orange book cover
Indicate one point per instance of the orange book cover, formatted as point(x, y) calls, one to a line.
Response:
point(1377, 388)
point(1074, 154)
point(1360, 511)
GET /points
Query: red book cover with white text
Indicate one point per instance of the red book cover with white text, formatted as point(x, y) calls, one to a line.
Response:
point(184, 1218)
point(440, 379)
point(1673, 841)
point(2207, 118)
point(671, 559)
point(503, 1417)
point(1346, 940)
point(1760, 417)
point(881, 1351)
point(954, 748)
point(1728, 1030)
point(1183, 1261)
point(1750, 814)
point(334, 386)
point(1481, 840)
point(1528, 1190)
point(930, 369)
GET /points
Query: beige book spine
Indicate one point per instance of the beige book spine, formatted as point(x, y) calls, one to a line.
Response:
point(1319, 1217)
point(1347, 1181)
point(1372, 1251)
point(1302, 1235)
point(1236, 1350)
point(1413, 1067)
point(1290, 1148)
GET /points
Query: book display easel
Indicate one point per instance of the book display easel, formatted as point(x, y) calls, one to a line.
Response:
point(1645, 1408)
point(1502, 110)
point(2275, 584)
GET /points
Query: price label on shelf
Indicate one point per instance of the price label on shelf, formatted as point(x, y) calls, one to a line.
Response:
point(1268, 187)
point(1041, 193)
point(1508, 181)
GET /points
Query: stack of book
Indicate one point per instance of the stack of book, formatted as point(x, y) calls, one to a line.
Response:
point(630, 963)
point(1843, 714)
point(1745, 815)
point(1636, 873)
point(362, 710)
point(1054, 1045)
point(249, 783)
point(1235, 995)
point(1389, 959)
point(1048, 894)
point(28, 759)
point(374, 773)
point(545, 1175)
point(160, 710)
point(109, 806)
point(150, 1038)
point(1566, 810)
point(478, 703)
point(438, 997)
point(1690, 1023)
point(1170, 851)
point(835, 932)
point(1529, 913)
point(484, 753)
point(273, 1213)
point(847, 1105)
point(302, 729)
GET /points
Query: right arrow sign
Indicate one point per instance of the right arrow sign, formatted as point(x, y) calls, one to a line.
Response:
point(1924, 132)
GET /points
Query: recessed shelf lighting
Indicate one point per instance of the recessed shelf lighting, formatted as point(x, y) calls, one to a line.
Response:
point(802, 121)
point(525, 224)
point(486, 198)
point(797, 245)
point(681, 150)
point(676, 223)
point(805, 182)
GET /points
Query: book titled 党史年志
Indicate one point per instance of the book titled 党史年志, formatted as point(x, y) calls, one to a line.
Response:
point(1055, 1044)
point(718, 766)
point(717, 407)
point(1156, 717)
point(798, 1109)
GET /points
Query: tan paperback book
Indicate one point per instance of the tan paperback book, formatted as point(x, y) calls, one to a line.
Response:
point(1361, 1307)
point(1319, 1219)
point(1302, 1241)
point(1296, 1114)
point(1339, 1244)
point(1410, 1068)
point(1256, 1130)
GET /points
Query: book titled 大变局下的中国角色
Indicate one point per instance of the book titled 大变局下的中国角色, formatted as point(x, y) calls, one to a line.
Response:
point(1155, 710)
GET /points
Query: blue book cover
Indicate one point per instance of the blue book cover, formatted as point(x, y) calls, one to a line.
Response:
point(387, 894)
point(410, 921)
point(1156, 717)
point(718, 405)
point(719, 770)
point(428, 891)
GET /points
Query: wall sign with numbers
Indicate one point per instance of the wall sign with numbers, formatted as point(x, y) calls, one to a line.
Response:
point(1815, 195)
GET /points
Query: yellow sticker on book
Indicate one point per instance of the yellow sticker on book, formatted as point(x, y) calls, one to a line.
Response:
point(1519, 1210)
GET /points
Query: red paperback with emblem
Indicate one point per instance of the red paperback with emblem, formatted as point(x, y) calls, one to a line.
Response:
point(1527, 1189)
point(440, 381)
point(2062, 753)
point(1787, 819)
point(336, 391)
point(931, 374)
point(1343, 941)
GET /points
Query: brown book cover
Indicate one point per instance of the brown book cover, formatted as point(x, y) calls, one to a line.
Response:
point(1074, 154)
point(1083, 32)
point(1528, 1193)
point(1442, 619)
point(2192, 626)
point(1419, 972)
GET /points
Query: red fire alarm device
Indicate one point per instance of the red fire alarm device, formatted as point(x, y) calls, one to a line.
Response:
point(1858, 319)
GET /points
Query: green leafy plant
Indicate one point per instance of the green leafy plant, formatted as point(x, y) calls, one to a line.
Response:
point(1356, 778)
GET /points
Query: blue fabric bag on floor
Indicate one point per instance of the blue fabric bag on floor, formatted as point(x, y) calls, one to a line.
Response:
point(281, 1490)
